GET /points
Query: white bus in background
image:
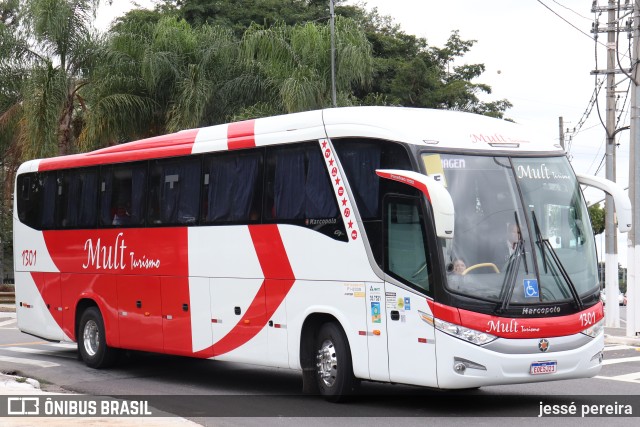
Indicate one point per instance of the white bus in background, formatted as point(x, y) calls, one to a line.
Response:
point(423, 247)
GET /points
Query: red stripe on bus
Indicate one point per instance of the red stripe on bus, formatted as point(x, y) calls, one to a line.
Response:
point(523, 327)
point(241, 135)
point(405, 180)
point(278, 281)
point(176, 144)
point(533, 327)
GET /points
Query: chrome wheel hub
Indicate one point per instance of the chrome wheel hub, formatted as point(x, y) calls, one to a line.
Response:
point(91, 337)
point(327, 363)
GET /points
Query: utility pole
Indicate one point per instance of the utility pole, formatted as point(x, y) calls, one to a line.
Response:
point(561, 130)
point(612, 315)
point(633, 251)
point(333, 55)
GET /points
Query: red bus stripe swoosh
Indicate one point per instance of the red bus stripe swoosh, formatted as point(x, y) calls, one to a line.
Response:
point(278, 281)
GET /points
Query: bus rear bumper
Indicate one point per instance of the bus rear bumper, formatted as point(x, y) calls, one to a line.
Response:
point(465, 365)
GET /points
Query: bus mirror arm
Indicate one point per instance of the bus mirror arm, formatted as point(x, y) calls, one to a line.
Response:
point(434, 191)
point(620, 199)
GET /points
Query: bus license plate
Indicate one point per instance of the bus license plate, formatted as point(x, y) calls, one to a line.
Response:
point(539, 368)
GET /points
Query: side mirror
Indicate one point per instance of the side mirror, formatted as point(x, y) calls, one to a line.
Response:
point(436, 194)
point(620, 199)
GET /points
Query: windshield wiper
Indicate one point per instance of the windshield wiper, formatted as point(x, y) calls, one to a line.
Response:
point(521, 242)
point(509, 282)
point(508, 285)
point(544, 243)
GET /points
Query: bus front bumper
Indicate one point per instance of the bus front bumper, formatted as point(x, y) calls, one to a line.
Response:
point(513, 361)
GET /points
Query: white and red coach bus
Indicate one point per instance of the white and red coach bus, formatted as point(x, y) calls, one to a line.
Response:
point(323, 242)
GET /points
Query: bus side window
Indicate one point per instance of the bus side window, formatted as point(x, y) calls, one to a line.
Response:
point(299, 190)
point(122, 195)
point(77, 198)
point(232, 190)
point(29, 200)
point(175, 191)
point(49, 189)
point(360, 157)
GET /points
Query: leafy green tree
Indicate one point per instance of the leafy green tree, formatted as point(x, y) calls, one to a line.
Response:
point(239, 15)
point(295, 63)
point(11, 78)
point(597, 216)
point(160, 75)
point(406, 71)
point(409, 72)
point(52, 47)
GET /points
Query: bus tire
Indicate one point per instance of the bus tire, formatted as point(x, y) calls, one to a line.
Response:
point(92, 342)
point(334, 369)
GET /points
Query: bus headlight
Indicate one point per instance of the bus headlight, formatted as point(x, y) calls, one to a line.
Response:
point(594, 329)
point(466, 334)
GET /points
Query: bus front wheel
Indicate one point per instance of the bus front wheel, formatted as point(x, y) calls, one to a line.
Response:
point(334, 370)
point(92, 342)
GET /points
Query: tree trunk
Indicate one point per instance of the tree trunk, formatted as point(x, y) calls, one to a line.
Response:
point(64, 127)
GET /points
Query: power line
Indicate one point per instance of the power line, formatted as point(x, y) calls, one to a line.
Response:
point(565, 20)
point(587, 113)
point(568, 8)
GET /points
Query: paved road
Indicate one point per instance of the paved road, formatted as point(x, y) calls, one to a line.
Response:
point(218, 393)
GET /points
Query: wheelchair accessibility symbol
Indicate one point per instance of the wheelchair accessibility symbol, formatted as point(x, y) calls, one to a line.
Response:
point(531, 288)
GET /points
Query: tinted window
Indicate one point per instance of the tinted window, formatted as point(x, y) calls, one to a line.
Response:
point(49, 186)
point(299, 191)
point(122, 195)
point(232, 187)
point(406, 257)
point(77, 194)
point(360, 158)
point(174, 191)
point(29, 194)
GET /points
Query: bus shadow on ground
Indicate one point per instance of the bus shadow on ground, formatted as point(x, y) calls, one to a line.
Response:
point(205, 388)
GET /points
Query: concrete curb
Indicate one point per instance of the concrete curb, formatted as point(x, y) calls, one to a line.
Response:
point(7, 297)
point(7, 308)
point(614, 339)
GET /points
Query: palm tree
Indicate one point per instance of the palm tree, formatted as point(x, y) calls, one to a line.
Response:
point(295, 63)
point(159, 77)
point(60, 47)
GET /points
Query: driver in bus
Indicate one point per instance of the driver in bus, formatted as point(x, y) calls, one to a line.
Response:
point(458, 266)
point(504, 250)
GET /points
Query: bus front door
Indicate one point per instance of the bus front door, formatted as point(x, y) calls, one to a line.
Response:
point(410, 339)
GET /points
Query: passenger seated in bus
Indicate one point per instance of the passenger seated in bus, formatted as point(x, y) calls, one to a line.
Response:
point(121, 216)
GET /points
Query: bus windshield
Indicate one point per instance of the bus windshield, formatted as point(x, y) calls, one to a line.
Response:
point(522, 231)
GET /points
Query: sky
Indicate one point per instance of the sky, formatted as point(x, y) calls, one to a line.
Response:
point(541, 63)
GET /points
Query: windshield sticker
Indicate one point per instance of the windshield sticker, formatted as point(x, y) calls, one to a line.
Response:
point(454, 164)
point(531, 288)
point(433, 165)
point(541, 172)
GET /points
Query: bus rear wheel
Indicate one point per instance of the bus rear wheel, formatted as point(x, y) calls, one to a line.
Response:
point(334, 370)
point(92, 342)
